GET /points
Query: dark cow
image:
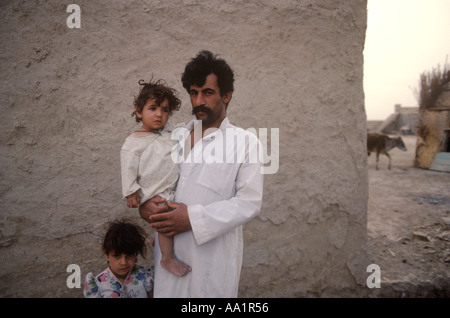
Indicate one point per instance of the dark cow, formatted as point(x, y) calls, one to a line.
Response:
point(380, 143)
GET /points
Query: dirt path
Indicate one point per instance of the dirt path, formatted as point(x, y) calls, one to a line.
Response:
point(409, 226)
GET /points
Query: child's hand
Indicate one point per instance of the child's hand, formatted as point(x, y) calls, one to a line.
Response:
point(133, 200)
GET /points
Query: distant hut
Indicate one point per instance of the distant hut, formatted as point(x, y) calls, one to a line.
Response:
point(433, 131)
point(402, 121)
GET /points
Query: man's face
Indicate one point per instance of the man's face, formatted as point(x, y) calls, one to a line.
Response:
point(207, 104)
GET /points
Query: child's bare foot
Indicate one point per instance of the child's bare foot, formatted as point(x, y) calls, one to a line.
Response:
point(175, 266)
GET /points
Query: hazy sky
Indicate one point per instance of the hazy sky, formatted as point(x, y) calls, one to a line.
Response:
point(404, 38)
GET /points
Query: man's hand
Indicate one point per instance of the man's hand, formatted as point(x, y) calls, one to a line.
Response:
point(173, 222)
point(151, 207)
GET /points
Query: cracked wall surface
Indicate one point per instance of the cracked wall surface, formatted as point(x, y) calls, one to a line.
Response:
point(66, 104)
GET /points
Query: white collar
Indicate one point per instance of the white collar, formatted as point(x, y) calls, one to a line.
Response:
point(223, 125)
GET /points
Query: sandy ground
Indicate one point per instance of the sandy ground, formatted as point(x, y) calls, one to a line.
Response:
point(408, 226)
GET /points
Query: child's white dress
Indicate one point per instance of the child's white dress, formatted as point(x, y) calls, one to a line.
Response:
point(137, 284)
point(147, 166)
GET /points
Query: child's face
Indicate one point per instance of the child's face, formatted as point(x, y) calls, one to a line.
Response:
point(154, 116)
point(121, 264)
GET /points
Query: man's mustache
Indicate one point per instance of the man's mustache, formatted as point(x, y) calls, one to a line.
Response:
point(201, 108)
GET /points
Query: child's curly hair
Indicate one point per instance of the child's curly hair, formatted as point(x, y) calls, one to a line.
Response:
point(159, 91)
point(124, 237)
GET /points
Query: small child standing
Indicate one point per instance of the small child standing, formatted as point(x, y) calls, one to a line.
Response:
point(147, 167)
point(123, 278)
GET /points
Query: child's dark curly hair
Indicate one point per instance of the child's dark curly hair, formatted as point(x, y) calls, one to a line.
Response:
point(159, 91)
point(124, 237)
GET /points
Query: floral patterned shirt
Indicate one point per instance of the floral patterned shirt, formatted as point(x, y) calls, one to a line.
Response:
point(138, 282)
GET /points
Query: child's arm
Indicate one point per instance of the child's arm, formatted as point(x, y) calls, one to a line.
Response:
point(133, 200)
point(149, 281)
point(91, 289)
point(129, 163)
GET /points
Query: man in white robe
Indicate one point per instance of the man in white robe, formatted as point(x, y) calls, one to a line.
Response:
point(219, 189)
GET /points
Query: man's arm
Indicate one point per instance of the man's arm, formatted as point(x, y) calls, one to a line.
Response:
point(210, 221)
point(213, 220)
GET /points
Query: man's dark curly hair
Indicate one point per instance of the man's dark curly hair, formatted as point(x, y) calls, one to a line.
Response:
point(204, 64)
point(159, 91)
point(126, 237)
